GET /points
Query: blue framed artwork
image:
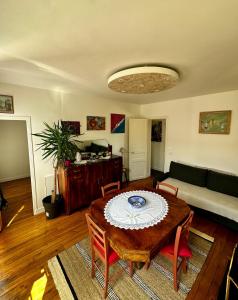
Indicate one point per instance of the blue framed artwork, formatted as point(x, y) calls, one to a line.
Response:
point(118, 123)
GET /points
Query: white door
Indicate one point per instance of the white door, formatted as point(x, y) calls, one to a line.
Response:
point(139, 148)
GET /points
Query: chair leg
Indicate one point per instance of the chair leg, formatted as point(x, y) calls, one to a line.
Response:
point(126, 178)
point(131, 268)
point(147, 265)
point(175, 277)
point(106, 280)
point(93, 264)
point(184, 264)
point(227, 288)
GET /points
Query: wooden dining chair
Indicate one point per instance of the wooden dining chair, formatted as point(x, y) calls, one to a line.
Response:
point(111, 187)
point(232, 276)
point(164, 186)
point(179, 248)
point(100, 247)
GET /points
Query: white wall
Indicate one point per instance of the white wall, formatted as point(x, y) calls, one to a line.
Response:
point(14, 160)
point(184, 143)
point(41, 106)
point(48, 106)
point(77, 108)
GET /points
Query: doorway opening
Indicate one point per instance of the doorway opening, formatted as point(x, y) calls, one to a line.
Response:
point(17, 179)
point(158, 133)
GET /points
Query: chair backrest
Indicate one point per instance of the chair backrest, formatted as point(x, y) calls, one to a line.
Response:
point(167, 187)
point(111, 187)
point(182, 233)
point(98, 238)
point(232, 273)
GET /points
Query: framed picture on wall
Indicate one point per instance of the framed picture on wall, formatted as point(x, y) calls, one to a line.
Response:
point(118, 123)
point(6, 104)
point(215, 122)
point(156, 131)
point(74, 126)
point(95, 123)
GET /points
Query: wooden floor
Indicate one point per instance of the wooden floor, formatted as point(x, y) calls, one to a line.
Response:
point(29, 241)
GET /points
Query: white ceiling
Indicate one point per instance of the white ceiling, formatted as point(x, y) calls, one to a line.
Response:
point(76, 45)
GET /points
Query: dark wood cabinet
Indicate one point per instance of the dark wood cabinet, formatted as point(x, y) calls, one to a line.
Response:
point(81, 184)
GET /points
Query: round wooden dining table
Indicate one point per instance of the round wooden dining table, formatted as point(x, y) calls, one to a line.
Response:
point(141, 245)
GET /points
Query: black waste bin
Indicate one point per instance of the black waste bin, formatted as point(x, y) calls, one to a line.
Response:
point(3, 205)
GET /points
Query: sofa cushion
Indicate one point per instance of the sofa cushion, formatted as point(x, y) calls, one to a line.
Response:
point(223, 183)
point(218, 203)
point(193, 175)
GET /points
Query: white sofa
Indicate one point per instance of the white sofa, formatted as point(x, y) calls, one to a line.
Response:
point(201, 197)
point(209, 190)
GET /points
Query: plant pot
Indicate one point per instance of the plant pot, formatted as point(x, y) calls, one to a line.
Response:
point(51, 209)
point(67, 163)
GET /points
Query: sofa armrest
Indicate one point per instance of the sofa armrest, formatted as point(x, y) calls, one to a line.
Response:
point(160, 177)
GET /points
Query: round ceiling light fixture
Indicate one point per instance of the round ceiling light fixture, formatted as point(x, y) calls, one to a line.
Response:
point(143, 80)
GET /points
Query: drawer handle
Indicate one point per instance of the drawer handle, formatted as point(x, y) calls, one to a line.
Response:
point(76, 171)
point(77, 177)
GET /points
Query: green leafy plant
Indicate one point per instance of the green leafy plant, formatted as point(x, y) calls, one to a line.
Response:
point(57, 142)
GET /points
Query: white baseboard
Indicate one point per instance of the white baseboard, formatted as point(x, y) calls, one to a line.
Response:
point(39, 211)
point(14, 177)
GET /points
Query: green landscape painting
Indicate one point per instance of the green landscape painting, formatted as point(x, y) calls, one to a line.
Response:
point(217, 122)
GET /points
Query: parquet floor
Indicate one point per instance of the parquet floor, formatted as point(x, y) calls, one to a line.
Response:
point(29, 241)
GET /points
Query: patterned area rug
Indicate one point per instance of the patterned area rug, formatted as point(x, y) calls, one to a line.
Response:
point(71, 271)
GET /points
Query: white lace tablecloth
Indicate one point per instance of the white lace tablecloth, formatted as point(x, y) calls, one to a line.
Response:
point(120, 213)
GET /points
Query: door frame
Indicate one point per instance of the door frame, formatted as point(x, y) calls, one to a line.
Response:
point(27, 119)
point(166, 118)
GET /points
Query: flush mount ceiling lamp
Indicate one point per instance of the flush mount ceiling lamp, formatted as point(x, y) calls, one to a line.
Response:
point(143, 80)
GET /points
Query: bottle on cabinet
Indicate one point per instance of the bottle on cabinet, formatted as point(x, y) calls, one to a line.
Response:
point(78, 157)
point(109, 149)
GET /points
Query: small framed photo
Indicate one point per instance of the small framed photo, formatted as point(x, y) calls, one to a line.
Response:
point(6, 104)
point(95, 123)
point(215, 122)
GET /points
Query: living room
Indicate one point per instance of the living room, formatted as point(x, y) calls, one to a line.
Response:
point(56, 71)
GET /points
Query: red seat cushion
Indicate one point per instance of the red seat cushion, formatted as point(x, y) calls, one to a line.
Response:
point(112, 256)
point(183, 251)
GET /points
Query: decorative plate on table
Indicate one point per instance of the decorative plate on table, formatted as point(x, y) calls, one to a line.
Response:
point(137, 201)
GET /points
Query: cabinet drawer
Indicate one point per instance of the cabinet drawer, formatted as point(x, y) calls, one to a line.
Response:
point(78, 172)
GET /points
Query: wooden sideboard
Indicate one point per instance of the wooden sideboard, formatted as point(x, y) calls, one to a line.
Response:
point(81, 184)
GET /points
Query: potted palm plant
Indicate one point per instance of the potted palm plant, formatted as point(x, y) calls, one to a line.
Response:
point(56, 142)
